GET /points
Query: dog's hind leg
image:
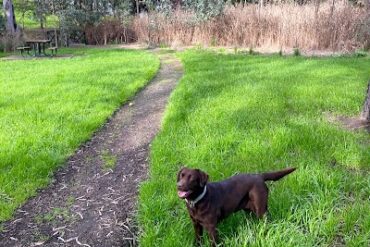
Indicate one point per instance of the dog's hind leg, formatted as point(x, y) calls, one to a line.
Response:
point(258, 200)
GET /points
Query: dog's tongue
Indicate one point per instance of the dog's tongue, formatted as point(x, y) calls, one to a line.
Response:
point(181, 194)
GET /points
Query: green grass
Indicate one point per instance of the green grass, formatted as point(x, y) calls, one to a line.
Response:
point(2, 54)
point(109, 160)
point(48, 107)
point(236, 113)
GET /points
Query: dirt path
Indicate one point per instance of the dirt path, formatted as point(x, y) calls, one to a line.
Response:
point(91, 201)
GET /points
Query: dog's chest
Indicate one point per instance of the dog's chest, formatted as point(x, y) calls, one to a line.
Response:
point(196, 216)
point(202, 214)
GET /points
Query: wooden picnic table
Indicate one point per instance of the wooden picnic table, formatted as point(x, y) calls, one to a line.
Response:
point(38, 46)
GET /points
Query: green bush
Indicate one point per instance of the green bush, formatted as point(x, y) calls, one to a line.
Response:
point(205, 9)
point(296, 52)
point(361, 53)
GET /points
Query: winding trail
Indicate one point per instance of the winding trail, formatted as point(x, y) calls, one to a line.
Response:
point(89, 204)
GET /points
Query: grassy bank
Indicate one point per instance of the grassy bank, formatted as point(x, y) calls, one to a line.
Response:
point(237, 113)
point(49, 107)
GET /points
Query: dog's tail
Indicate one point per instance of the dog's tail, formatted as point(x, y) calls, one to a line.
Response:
point(273, 176)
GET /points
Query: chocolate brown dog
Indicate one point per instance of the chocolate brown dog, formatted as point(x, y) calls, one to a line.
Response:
point(209, 203)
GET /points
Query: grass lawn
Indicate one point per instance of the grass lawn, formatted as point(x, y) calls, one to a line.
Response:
point(49, 107)
point(236, 113)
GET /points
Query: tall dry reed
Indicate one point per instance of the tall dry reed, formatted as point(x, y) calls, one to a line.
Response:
point(338, 27)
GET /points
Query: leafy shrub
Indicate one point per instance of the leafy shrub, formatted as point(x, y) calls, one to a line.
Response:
point(205, 9)
point(73, 22)
point(360, 53)
point(108, 31)
point(296, 52)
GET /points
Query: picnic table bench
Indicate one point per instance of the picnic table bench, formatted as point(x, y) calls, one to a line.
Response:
point(38, 46)
point(23, 49)
point(53, 50)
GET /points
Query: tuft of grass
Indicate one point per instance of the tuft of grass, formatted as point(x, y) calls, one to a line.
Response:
point(234, 114)
point(54, 214)
point(109, 160)
point(61, 213)
point(199, 46)
point(39, 237)
point(163, 46)
point(70, 201)
point(49, 107)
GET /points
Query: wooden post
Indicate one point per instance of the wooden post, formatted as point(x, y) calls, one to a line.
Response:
point(365, 114)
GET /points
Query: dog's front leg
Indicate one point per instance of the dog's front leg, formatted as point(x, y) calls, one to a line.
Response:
point(198, 231)
point(212, 234)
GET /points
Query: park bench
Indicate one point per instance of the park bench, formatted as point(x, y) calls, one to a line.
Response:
point(23, 49)
point(53, 50)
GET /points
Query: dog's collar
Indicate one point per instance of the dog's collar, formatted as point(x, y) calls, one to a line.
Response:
point(200, 197)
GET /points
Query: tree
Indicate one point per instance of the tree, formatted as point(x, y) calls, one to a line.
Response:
point(365, 114)
point(122, 8)
point(24, 6)
point(205, 9)
point(2, 24)
point(11, 36)
point(10, 24)
point(42, 9)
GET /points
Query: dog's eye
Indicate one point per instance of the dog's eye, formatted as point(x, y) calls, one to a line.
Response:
point(182, 175)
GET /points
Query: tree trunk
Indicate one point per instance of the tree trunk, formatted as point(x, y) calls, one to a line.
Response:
point(11, 25)
point(365, 114)
point(55, 29)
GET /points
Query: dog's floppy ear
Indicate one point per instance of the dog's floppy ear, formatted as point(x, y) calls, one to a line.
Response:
point(203, 178)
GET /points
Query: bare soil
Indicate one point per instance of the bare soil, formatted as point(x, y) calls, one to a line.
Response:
point(92, 199)
point(350, 123)
point(354, 123)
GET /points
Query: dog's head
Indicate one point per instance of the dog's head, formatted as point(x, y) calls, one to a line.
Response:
point(190, 182)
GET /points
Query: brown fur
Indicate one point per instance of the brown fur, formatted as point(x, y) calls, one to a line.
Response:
point(241, 192)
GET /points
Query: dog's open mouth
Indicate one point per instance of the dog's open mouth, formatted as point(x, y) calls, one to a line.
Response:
point(183, 194)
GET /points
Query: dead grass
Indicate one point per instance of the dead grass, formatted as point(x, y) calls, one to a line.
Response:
point(342, 27)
